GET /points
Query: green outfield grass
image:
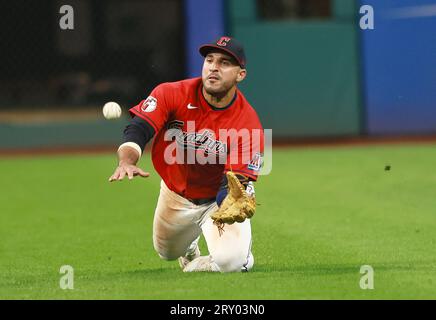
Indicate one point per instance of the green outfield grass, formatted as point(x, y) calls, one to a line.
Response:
point(324, 213)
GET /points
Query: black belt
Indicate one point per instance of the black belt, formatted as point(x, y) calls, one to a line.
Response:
point(199, 202)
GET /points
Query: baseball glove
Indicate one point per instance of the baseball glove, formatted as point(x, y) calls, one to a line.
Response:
point(237, 205)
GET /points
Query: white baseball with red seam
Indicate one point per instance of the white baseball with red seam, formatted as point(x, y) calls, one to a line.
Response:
point(112, 110)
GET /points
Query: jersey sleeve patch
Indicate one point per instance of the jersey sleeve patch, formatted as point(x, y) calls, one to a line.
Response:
point(149, 104)
point(256, 162)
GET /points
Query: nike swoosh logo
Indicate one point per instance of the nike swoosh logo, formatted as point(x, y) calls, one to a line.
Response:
point(191, 107)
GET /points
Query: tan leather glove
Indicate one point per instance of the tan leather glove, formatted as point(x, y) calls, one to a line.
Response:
point(237, 205)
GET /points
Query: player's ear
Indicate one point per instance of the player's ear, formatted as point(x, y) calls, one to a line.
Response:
point(242, 73)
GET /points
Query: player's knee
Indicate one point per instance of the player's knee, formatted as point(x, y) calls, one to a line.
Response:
point(167, 254)
point(229, 265)
point(235, 262)
point(166, 257)
point(167, 250)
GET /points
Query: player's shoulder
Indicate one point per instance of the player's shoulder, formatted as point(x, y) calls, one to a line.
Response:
point(250, 113)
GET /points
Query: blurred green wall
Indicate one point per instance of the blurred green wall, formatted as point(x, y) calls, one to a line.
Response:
point(303, 76)
point(62, 134)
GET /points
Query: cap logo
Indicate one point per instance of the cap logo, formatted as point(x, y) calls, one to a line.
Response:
point(222, 42)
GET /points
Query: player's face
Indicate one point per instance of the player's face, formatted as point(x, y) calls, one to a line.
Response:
point(221, 73)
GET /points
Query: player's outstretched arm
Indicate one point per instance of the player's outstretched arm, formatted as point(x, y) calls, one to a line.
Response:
point(127, 159)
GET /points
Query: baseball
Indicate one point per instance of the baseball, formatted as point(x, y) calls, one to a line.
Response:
point(111, 110)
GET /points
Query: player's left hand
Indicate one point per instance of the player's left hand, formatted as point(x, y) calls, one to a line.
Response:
point(237, 206)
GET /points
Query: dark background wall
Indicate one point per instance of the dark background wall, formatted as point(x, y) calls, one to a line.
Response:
point(311, 71)
point(118, 50)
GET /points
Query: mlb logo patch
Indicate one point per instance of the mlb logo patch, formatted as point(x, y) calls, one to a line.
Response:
point(255, 163)
point(149, 104)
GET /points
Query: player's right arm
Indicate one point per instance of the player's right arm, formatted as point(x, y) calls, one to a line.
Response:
point(136, 136)
point(148, 117)
point(127, 159)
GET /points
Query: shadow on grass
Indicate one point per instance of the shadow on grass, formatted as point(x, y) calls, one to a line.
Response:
point(170, 272)
point(334, 269)
point(173, 272)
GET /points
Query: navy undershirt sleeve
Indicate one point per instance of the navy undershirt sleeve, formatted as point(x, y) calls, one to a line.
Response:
point(138, 131)
point(222, 191)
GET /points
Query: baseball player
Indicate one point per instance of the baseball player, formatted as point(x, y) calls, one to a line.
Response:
point(208, 146)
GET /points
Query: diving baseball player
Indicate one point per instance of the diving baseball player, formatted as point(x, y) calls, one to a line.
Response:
point(208, 150)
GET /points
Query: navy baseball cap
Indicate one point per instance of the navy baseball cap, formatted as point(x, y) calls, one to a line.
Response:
point(229, 45)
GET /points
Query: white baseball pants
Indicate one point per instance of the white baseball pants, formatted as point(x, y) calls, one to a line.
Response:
point(178, 223)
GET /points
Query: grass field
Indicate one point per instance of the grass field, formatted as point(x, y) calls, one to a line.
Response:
point(324, 213)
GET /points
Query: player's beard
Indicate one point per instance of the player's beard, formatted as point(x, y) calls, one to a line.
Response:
point(217, 91)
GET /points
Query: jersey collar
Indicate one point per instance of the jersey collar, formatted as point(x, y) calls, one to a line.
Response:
point(203, 99)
